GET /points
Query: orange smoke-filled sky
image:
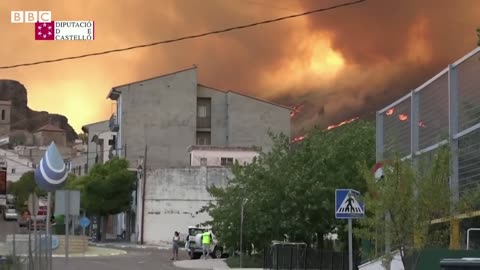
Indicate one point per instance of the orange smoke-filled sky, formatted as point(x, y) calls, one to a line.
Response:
point(341, 62)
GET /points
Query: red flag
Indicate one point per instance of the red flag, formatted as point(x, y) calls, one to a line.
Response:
point(45, 30)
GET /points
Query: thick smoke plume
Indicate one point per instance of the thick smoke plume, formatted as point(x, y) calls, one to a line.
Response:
point(337, 64)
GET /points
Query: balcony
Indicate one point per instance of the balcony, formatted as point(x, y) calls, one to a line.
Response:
point(113, 124)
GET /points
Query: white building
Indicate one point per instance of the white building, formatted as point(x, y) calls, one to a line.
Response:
point(211, 156)
point(175, 196)
point(77, 164)
point(17, 165)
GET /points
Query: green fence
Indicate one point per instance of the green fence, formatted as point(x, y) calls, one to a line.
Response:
point(430, 258)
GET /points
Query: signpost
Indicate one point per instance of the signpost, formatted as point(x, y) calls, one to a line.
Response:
point(347, 206)
point(67, 202)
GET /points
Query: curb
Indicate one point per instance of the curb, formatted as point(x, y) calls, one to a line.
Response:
point(130, 246)
point(90, 255)
point(121, 252)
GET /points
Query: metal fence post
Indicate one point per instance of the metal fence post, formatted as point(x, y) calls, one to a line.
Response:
point(305, 259)
point(379, 137)
point(453, 128)
point(276, 255)
point(291, 258)
point(414, 125)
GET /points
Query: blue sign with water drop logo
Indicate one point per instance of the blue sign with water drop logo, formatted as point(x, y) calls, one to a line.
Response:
point(52, 172)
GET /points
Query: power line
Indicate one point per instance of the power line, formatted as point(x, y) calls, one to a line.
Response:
point(185, 37)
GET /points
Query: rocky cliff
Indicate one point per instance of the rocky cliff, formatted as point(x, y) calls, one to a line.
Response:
point(23, 118)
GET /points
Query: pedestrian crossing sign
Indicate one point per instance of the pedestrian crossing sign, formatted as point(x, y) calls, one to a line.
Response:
point(347, 204)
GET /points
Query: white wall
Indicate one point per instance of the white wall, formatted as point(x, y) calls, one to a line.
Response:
point(173, 198)
point(214, 156)
point(20, 165)
point(396, 264)
point(106, 136)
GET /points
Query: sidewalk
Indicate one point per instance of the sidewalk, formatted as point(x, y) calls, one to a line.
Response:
point(209, 264)
point(91, 252)
point(126, 245)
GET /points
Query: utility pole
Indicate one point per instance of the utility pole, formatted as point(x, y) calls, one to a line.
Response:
point(143, 192)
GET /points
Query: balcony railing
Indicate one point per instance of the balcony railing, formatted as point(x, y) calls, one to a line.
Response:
point(114, 125)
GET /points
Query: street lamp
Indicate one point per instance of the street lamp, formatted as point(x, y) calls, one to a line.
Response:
point(241, 231)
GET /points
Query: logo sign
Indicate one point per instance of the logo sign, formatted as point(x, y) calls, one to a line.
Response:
point(84, 222)
point(65, 30)
point(347, 205)
point(30, 16)
point(52, 172)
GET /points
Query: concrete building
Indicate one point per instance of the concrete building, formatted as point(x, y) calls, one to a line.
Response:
point(174, 198)
point(17, 164)
point(100, 144)
point(48, 133)
point(193, 134)
point(5, 110)
point(214, 156)
point(170, 113)
point(77, 163)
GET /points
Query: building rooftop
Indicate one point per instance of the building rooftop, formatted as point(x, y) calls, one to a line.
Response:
point(50, 127)
point(223, 148)
point(115, 93)
point(86, 128)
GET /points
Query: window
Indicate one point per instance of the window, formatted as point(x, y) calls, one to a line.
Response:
point(13, 170)
point(226, 161)
point(202, 111)
point(3, 115)
point(203, 161)
point(203, 138)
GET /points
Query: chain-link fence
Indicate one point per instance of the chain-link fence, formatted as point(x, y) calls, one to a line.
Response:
point(25, 247)
point(445, 109)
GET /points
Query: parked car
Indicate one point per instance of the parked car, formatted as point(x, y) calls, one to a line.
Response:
point(194, 247)
point(10, 213)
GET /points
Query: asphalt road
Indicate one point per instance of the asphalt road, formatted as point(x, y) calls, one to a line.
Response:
point(6, 227)
point(144, 259)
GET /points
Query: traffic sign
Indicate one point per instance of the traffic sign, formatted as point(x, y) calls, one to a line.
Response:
point(44, 242)
point(84, 222)
point(347, 205)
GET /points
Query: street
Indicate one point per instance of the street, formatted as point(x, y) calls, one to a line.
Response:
point(135, 259)
point(6, 227)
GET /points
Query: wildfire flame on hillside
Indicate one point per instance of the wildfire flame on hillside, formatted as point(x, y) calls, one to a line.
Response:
point(342, 123)
point(301, 138)
point(298, 139)
point(296, 109)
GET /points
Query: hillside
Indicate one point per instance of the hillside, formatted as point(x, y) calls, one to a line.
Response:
point(24, 118)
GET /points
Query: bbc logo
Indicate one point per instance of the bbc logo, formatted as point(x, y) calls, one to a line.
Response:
point(30, 16)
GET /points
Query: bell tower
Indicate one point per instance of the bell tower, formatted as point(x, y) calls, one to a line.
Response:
point(5, 110)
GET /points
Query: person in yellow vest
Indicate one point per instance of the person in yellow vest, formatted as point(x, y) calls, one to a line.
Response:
point(206, 242)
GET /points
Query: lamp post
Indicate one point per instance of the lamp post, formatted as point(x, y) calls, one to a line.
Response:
point(241, 231)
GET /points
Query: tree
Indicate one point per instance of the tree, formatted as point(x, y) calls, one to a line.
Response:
point(291, 191)
point(23, 188)
point(414, 197)
point(107, 190)
point(83, 137)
